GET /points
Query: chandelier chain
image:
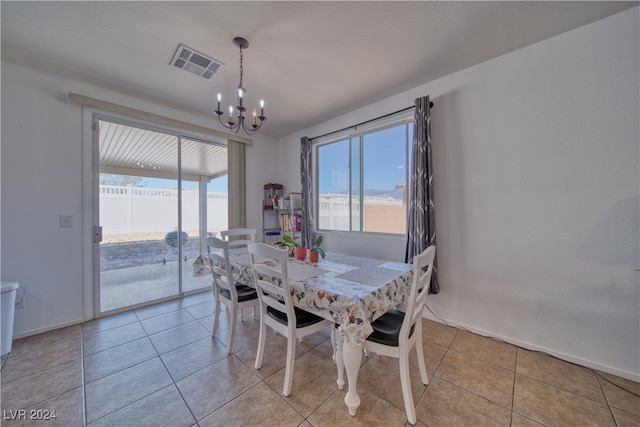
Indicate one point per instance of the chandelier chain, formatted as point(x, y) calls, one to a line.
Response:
point(241, 70)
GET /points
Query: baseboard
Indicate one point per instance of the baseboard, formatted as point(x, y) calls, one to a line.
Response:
point(46, 329)
point(633, 376)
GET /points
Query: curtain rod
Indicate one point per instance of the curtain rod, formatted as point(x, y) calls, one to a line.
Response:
point(368, 121)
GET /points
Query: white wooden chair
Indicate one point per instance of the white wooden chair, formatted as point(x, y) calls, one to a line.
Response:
point(226, 290)
point(395, 332)
point(239, 237)
point(276, 305)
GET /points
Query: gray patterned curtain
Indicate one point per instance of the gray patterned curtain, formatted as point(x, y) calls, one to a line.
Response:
point(306, 165)
point(421, 221)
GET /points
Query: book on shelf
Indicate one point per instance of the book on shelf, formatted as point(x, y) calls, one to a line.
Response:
point(287, 221)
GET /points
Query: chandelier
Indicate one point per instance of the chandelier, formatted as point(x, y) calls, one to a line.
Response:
point(230, 123)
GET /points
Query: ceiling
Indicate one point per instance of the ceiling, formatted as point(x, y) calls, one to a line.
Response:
point(309, 61)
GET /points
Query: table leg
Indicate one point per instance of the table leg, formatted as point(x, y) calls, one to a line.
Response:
point(338, 356)
point(352, 355)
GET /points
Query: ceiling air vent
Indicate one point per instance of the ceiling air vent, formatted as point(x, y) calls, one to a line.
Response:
point(195, 62)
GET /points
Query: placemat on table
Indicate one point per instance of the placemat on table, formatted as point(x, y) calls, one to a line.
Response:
point(299, 271)
point(371, 276)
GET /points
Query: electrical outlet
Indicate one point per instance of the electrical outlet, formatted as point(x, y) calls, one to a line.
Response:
point(65, 221)
point(20, 294)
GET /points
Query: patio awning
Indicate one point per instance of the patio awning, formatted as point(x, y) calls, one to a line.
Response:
point(128, 150)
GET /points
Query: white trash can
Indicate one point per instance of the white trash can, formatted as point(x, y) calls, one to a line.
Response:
point(8, 293)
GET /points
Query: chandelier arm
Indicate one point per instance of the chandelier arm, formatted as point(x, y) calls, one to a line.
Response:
point(254, 128)
point(232, 126)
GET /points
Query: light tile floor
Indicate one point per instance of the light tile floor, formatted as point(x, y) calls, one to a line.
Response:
point(159, 366)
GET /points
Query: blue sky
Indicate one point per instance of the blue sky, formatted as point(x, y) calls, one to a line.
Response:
point(384, 162)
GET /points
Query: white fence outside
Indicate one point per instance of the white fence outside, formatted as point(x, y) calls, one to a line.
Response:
point(127, 209)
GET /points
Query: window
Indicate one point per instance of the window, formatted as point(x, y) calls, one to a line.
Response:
point(362, 181)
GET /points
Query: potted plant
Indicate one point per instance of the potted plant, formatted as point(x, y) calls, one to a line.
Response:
point(316, 250)
point(294, 245)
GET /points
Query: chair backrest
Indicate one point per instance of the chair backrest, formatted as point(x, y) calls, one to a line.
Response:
point(239, 237)
point(270, 262)
point(220, 266)
point(422, 268)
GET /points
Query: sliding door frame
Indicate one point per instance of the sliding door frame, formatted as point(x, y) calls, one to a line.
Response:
point(91, 177)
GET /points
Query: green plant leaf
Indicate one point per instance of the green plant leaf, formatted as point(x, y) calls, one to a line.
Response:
point(290, 241)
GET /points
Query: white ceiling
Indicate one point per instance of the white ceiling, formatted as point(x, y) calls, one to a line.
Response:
point(310, 61)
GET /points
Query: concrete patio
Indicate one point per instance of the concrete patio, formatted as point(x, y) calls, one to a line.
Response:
point(138, 277)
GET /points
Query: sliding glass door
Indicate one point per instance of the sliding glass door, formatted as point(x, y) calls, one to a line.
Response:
point(154, 210)
point(204, 202)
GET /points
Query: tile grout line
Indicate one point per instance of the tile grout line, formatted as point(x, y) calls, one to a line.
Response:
point(540, 380)
point(594, 371)
point(264, 381)
point(173, 381)
point(511, 411)
point(605, 398)
point(513, 388)
point(435, 371)
point(159, 356)
point(320, 405)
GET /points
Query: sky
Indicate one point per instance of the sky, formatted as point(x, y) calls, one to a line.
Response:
point(384, 162)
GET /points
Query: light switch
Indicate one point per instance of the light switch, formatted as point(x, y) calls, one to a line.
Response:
point(65, 221)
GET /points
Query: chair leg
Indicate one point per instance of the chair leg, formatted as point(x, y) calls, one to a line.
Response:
point(216, 315)
point(261, 342)
point(406, 386)
point(423, 367)
point(232, 329)
point(291, 359)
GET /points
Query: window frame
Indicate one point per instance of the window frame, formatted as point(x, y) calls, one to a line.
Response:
point(405, 121)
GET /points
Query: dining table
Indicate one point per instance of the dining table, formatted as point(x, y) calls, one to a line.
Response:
point(351, 291)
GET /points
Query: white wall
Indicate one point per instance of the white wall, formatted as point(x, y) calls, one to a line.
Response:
point(42, 178)
point(536, 159)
